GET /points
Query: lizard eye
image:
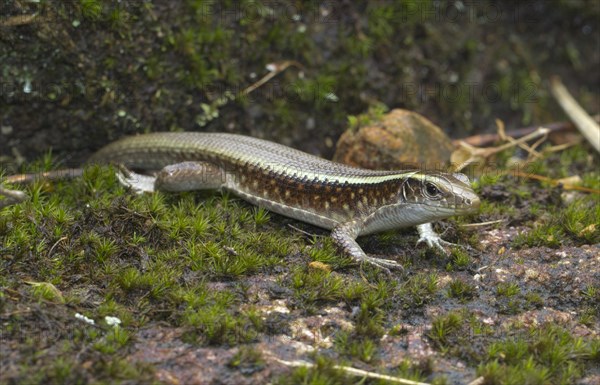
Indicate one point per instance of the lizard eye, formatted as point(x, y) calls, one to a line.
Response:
point(432, 189)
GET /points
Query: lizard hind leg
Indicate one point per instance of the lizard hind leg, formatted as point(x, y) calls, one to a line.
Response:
point(187, 176)
point(184, 176)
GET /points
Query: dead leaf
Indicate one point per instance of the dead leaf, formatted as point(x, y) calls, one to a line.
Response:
point(319, 266)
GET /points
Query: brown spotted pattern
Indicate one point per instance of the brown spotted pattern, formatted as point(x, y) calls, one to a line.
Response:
point(319, 196)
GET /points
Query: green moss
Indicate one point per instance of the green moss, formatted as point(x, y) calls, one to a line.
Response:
point(461, 290)
point(576, 223)
point(507, 289)
point(534, 300)
point(363, 349)
point(418, 371)
point(261, 216)
point(247, 359)
point(544, 235)
point(115, 339)
point(324, 251)
point(322, 373)
point(371, 314)
point(418, 290)
point(112, 308)
point(570, 157)
point(91, 9)
point(155, 282)
point(495, 209)
point(444, 327)
point(215, 325)
point(580, 220)
point(46, 291)
point(460, 259)
point(313, 286)
point(373, 115)
point(544, 355)
point(592, 180)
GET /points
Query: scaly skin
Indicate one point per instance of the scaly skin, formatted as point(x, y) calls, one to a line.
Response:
point(347, 200)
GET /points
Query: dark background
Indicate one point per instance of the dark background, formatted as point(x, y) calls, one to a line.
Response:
point(81, 73)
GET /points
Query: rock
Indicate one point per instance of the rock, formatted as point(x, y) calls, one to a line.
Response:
point(401, 139)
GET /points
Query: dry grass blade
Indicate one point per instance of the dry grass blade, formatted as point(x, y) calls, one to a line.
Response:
point(354, 372)
point(17, 20)
point(584, 122)
point(468, 155)
point(554, 182)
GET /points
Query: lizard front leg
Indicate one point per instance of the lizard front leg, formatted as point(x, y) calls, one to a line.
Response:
point(344, 236)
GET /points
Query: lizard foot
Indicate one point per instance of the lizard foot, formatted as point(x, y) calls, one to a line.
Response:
point(433, 239)
point(137, 182)
point(384, 264)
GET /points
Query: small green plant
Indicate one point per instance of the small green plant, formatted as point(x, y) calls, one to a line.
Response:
point(116, 338)
point(374, 114)
point(46, 291)
point(364, 349)
point(542, 235)
point(323, 372)
point(261, 216)
point(105, 248)
point(460, 260)
point(461, 290)
point(324, 251)
point(507, 289)
point(312, 286)
point(547, 354)
point(418, 290)
point(247, 360)
point(445, 326)
point(580, 220)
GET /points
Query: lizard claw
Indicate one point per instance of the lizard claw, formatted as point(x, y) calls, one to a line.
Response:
point(433, 239)
point(436, 243)
point(384, 264)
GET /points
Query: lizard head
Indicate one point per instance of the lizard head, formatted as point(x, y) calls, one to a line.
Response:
point(440, 191)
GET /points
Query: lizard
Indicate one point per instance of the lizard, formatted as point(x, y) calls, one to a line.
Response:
point(347, 200)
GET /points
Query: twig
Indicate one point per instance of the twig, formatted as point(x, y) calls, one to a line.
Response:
point(17, 196)
point(310, 235)
point(522, 145)
point(274, 70)
point(211, 110)
point(354, 372)
point(471, 225)
point(67, 173)
point(584, 122)
point(487, 139)
point(56, 244)
point(552, 181)
point(17, 20)
point(12, 197)
point(476, 154)
point(477, 381)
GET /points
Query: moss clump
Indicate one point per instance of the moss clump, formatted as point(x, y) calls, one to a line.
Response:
point(543, 355)
point(461, 290)
point(418, 290)
point(576, 223)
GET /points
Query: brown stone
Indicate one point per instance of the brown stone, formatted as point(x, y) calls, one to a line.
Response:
point(402, 139)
